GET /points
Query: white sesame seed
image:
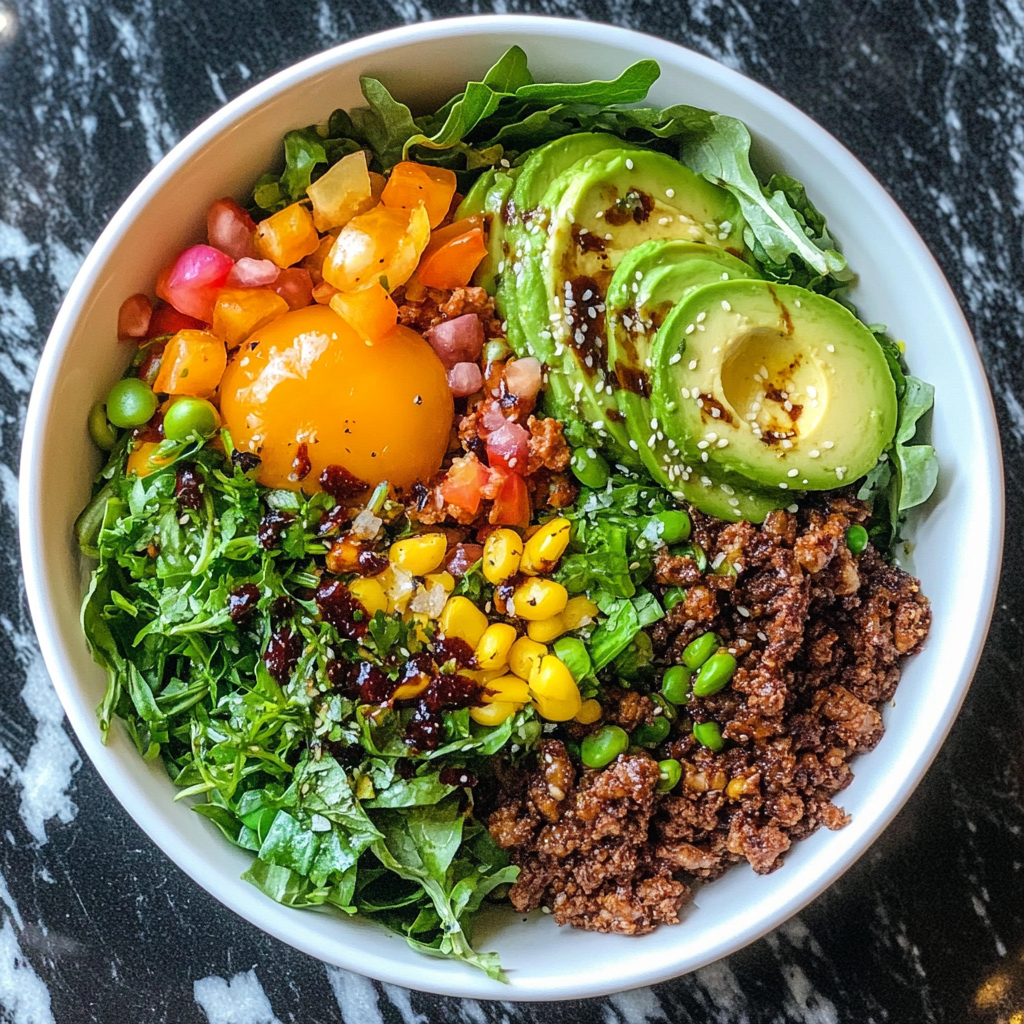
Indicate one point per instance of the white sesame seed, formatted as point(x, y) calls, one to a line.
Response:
point(690, 328)
point(670, 192)
point(629, 165)
point(792, 472)
point(702, 316)
point(814, 453)
point(726, 306)
point(784, 486)
point(723, 442)
point(830, 348)
point(828, 444)
point(685, 392)
point(693, 364)
point(675, 359)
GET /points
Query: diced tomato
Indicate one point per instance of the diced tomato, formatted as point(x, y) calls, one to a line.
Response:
point(512, 505)
point(230, 229)
point(167, 320)
point(464, 482)
point(295, 286)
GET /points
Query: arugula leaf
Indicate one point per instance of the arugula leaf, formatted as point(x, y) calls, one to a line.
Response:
point(918, 463)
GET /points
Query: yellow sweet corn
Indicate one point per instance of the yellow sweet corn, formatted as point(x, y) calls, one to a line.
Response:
point(413, 687)
point(545, 547)
point(589, 712)
point(461, 618)
point(546, 630)
point(579, 611)
point(502, 551)
point(493, 714)
point(524, 656)
point(419, 555)
point(552, 679)
point(446, 579)
point(538, 599)
point(370, 594)
point(492, 650)
point(506, 688)
point(557, 710)
point(482, 676)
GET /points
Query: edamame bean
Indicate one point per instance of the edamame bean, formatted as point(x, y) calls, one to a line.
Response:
point(131, 403)
point(671, 771)
point(589, 467)
point(856, 538)
point(574, 654)
point(675, 526)
point(602, 747)
point(714, 674)
point(675, 684)
point(653, 734)
point(673, 596)
point(188, 416)
point(709, 735)
point(698, 651)
point(100, 430)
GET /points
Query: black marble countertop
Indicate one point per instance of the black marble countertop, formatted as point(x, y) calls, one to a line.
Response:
point(96, 924)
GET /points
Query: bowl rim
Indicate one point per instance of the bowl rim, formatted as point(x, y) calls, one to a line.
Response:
point(578, 982)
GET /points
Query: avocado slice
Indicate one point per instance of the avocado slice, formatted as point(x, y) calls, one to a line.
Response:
point(488, 196)
point(564, 245)
point(780, 385)
point(650, 280)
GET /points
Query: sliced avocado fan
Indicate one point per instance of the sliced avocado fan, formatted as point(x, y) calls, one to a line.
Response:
point(775, 383)
point(602, 199)
point(649, 282)
point(488, 196)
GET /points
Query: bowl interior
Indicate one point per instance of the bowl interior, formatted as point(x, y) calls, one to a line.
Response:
point(899, 285)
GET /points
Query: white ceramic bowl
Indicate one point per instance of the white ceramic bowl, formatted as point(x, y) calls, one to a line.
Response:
point(899, 285)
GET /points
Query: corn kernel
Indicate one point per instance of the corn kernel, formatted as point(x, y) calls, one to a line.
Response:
point(462, 619)
point(413, 688)
point(579, 611)
point(552, 680)
point(370, 594)
point(492, 650)
point(736, 787)
point(344, 555)
point(419, 555)
point(506, 688)
point(493, 714)
point(589, 712)
point(482, 676)
point(524, 656)
point(502, 551)
point(546, 630)
point(398, 586)
point(545, 547)
point(557, 710)
point(538, 599)
point(140, 461)
point(446, 579)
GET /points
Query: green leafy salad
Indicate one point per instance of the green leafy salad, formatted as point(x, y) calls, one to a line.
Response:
point(334, 655)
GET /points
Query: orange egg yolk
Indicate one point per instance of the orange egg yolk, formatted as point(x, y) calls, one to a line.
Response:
point(381, 411)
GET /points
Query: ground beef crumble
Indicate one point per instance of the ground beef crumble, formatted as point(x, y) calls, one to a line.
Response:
point(819, 636)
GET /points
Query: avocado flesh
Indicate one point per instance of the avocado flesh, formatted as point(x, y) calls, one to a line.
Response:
point(565, 247)
point(488, 197)
point(649, 282)
point(796, 386)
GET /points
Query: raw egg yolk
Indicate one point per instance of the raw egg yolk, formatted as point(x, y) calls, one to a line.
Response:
point(381, 411)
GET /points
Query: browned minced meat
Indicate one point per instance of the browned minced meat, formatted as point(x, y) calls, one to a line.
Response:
point(818, 634)
point(438, 305)
point(582, 844)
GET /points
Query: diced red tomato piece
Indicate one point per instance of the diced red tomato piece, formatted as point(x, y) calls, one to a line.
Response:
point(133, 318)
point(512, 505)
point(193, 282)
point(167, 320)
point(230, 229)
point(464, 482)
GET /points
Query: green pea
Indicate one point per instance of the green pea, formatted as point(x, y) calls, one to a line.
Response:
point(602, 747)
point(653, 734)
point(100, 430)
point(714, 674)
point(190, 416)
point(671, 771)
point(589, 467)
point(856, 538)
point(675, 526)
point(675, 684)
point(709, 735)
point(673, 596)
point(131, 403)
point(574, 653)
point(698, 651)
point(496, 349)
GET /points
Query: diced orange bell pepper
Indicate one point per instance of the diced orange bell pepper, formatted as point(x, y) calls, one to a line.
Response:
point(314, 262)
point(512, 505)
point(452, 254)
point(412, 183)
point(371, 311)
point(463, 484)
point(384, 243)
point(193, 364)
point(323, 293)
point(239, 311)
point(287, 236)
